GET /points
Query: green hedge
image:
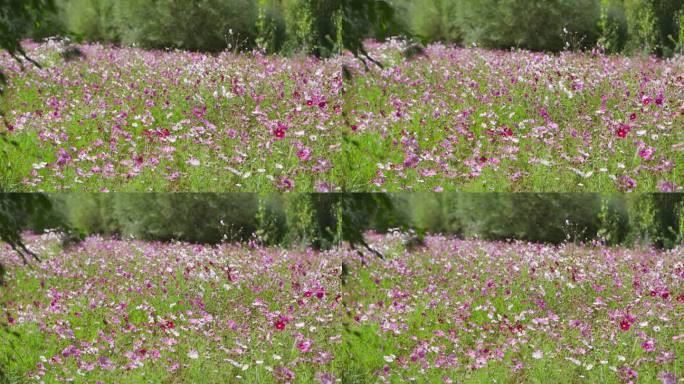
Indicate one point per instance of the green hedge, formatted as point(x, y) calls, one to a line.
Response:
point(314, 219)
point(630, 26)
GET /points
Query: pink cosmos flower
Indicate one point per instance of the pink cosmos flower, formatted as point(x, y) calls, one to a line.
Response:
point(647, 153)
point(279, 132)
point(285, 183)
point(625, 325)
point(304, 154)
point(304, 346)
point(285, 375)
point(325, 378)
point(626, 183)
point(648, 346)
point(623, 131)
point(667, 186)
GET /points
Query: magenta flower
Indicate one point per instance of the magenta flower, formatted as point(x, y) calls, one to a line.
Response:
point(285, 183)
point(648, 346)
point(279, 132)
point(623, 131)
point(626, 183)
point(625, 325)
point(647, 153)
point(304, 154)
point(304, 346)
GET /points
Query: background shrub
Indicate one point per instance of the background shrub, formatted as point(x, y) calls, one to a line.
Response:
point(324, 27)
point(323, 220)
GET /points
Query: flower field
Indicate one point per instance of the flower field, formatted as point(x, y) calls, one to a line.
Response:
point(472, 311)
point(452, 311)
point(117, 311)
point(125, 119)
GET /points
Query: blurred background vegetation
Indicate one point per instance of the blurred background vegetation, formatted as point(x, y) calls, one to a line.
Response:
point(323, 220)
point(319, 26)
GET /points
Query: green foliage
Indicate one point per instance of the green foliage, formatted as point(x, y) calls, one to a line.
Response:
point(17, 19)
point(432, 20)
point(199, 218)
point(552, 218)
point(270, 25)
point(613, 220)
point(326, 27)
point(299, 216)
point(612, 26)
point(92, 20)
point(324, 220)
point(198, 25)
point(270, 220)
point(90, 212)
point(537, 25)
point(654, 26)
point(641, 21)
point(655, 220)
point(435, 212)
point(19, 211)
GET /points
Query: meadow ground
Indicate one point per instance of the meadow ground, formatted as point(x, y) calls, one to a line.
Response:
point(454, 311)
point(124, 119)
point(131, 312)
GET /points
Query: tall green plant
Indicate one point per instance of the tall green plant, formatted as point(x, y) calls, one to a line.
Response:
point(326, 27)
point(641, 21)
point(612, 26)
point(612, 220)
point(92, 20)
point(270, 26)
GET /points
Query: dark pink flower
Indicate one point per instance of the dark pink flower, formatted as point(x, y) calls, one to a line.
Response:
point(623, 131)
point(648, 346)
point(279, 133)
point(625, 325)
point(304, 346)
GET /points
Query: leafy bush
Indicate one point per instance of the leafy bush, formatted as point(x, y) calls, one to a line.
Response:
point(17, 19)
point(198, 25)
point(199, 218)
point(656, 220)
point(91, 20)
point(654, 26)
point(271, 28)
point(613, 220)
point(537, 25)
point(326, 27)
point(432, 20)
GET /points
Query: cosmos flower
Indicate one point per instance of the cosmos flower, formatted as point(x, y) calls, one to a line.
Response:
point(304, 154)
